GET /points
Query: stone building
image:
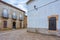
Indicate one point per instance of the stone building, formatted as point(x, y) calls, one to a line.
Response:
point(25, 21)
point(10, 16)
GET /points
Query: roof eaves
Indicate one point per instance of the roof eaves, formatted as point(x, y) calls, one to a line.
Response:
point(11, 6)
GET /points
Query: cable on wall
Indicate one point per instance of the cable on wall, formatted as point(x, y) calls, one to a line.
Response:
point(44, 5)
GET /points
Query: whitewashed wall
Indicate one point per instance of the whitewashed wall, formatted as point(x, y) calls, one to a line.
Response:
point(39, 18)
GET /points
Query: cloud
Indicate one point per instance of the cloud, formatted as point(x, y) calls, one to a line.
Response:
point(18, 3)
point(22, 6)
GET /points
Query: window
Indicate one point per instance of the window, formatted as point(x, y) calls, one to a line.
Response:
point(5, 13)
point(21, 17)
point(14, 15)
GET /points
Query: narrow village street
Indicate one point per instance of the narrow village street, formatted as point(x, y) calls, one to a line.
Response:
point(22, 34)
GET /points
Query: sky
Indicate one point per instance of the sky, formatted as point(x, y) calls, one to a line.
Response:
point(18, 3)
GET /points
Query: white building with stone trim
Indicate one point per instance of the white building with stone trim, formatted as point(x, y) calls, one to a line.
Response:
point(44, 16)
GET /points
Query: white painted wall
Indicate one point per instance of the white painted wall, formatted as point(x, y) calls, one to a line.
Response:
point(39, 18)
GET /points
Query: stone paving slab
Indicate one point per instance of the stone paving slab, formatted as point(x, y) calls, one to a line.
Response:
point(22, 34)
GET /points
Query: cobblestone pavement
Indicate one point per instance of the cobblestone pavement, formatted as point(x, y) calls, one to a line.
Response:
point(22, 34)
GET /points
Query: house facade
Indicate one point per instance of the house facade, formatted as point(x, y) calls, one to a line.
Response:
point(44, 16)
point(10, 16)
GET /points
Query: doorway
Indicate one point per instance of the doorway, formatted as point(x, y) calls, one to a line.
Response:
point(20, 24)
point(52, 23)
point(5, 24)
point(14, 25)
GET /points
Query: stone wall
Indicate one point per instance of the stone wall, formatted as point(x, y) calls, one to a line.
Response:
point(9, 20)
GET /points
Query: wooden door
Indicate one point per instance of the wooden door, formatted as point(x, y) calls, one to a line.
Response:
point(52, 23)
point(5, 24)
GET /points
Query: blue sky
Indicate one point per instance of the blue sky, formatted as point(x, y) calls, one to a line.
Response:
point(18, 3)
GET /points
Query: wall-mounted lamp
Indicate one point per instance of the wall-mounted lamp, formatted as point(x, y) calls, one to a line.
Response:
point(35, 7)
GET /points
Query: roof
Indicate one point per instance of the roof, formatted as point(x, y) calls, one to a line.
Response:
point(29, 1)
point(25, 15)
point(11, 6)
